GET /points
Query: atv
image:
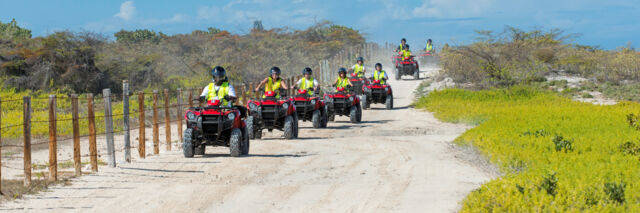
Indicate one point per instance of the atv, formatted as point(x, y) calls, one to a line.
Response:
point(359, 85)
point(407, 66)
point(428, 59)
point(378, 93)
point(215, 125)
point(271, 113)
point(310, 108)
point(343, 103)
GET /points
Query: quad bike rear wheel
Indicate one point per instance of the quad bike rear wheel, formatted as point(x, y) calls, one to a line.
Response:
point(388, 103)
point(316, 119)
point(245, 141)
point(235, 143)
point(289, 127)
point(187, 143)
point(199, 150)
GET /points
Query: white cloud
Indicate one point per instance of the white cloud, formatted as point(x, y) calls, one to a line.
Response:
point(207, 12)
point(451, 8)
point(127, 11)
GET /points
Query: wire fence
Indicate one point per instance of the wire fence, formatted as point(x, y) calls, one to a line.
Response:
point(53, 119)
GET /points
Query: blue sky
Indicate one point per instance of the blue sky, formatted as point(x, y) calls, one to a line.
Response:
point(609, 24)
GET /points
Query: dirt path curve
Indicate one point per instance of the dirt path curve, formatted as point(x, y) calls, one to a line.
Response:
point(400, 160)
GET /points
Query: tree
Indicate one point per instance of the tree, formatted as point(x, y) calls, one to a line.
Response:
point(11, 31)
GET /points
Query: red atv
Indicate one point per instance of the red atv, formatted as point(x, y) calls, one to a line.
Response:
point(310, 108)
point(215, 125)
point(407, 66)
point(272, 113)
point(428, 58)
point(359, 85)
point(378, 93)
point(343, 103)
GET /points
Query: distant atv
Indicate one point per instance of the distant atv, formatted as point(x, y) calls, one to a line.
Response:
point(343, 103)
point(359, 84)
point(310, 108)
point(378, 93)
point(272, 113)
point(428, 59)
point(407, 66)
point(214, 125)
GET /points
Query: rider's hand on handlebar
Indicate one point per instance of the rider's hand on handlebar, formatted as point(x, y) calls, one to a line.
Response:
point(202, 98)
point(226, 97)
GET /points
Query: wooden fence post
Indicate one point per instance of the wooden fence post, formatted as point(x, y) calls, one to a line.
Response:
point(141, 126)
point(179, 113)
point(53, 150)
point(125, 121)
point(108, 123)
point(93, 150)
point(199, 93)
point(167, 119)
point(190, 98)
point(26, 119)
point(76, 135)
point(244, 94)
point(156, 141)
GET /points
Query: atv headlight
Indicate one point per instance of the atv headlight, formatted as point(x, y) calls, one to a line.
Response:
point(327, 99)
point(252, 106)
point(313, 102)
point(351, 99)
point(285, 106)
point(231, 116)
point(191, 115)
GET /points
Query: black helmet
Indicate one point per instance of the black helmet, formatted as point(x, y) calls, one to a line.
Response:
point(428, 40)
point(307, 70)
point(360, 59)
point(406, 46)
point(342, 69)
point(379, 65)
point(275, 70)
point(218, 71)
point(404, 39)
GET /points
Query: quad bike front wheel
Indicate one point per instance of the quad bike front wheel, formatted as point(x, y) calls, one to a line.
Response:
point(235, 143)
point(316, 119)
point(325, 118)
point(250, 127)
point(388, 103)
point(289, 127)
point(187, 143)
point(363, 101)
point(397, 73)
point(353, 114)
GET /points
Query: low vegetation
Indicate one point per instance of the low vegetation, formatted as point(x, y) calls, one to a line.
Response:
point(557, 155)
point(515, 56)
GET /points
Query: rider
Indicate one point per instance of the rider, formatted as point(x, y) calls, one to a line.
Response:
point(429, 47)
point(380, 74)
point(342, 80)
point(307, 82)
point(358, 68)
point(401, 47)
point(219, 89)
point(406, 53)
point(273, 82)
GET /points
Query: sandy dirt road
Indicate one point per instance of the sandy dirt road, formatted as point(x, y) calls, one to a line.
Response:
point(394, 161)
